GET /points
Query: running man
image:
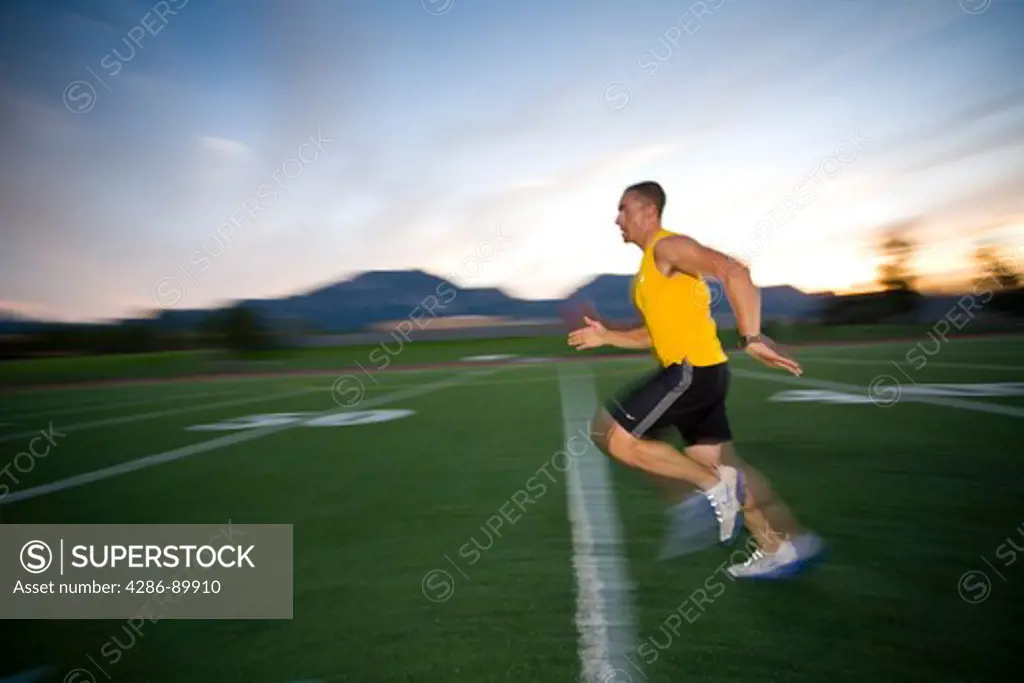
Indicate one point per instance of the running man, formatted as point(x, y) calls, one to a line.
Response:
point(689, 390)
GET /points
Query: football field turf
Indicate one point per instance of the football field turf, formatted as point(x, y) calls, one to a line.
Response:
point(443, 542)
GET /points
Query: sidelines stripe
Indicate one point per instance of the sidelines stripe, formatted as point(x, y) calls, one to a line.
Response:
point(39, 674)
point(948, 402)
point(34, 409)
point(841, 346)
point(110, 422)
point(91, 407)
point(212, 444)
point(603, 613)
point(547, 379)
point(237, 378)
point(939, 364)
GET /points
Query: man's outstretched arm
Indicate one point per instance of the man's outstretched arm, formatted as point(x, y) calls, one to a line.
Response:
point(634, 338)
point(594, 334)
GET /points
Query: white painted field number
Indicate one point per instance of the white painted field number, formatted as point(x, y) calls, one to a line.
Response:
point(346, 419)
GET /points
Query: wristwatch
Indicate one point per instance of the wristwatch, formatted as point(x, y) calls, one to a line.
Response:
point(747, 340)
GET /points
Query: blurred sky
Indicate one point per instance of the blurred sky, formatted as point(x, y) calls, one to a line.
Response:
point(444, 120)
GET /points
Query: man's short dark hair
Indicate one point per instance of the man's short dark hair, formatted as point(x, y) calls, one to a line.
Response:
point(652, 192)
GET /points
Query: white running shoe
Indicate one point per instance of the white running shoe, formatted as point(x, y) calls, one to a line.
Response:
point(789, 559)
point(726, 498)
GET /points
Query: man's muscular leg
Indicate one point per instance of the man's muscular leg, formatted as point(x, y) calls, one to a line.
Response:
point(672, 470)
point(658, 458)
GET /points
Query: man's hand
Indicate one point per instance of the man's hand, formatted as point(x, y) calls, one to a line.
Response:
point(591, 336)
point(766, 352)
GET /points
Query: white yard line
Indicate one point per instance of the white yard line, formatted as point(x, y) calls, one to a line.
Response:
point(948, 402)
point(127, 419)
point(213, 444)
point(603, 603)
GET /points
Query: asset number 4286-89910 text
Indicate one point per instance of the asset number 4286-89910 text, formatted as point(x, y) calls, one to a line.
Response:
point(173, 587)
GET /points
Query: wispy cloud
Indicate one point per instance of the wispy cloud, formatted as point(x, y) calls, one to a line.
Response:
point(223, 148)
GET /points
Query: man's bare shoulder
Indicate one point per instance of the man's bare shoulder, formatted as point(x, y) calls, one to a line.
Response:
point(672, 248)
point(675, 241)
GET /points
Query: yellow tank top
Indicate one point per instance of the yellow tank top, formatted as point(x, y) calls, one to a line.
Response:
point(677, 313)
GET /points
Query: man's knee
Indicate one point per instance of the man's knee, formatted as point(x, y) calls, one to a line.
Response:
point(710, 453)
point(601, 426)
point(622, 445)
point(613, 439)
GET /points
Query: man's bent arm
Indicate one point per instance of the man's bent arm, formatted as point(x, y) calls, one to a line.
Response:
point(636, 338)
point(689, 256)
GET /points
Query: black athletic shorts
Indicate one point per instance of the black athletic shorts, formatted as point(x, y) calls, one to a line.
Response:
point(691, 399)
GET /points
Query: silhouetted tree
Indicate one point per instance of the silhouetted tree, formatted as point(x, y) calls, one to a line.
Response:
point(995, 271)
point(896, 274)
point(898, 249)
point(999, 274)
point(239, 329)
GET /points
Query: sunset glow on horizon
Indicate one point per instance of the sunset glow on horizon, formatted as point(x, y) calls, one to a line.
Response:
point(790, 134)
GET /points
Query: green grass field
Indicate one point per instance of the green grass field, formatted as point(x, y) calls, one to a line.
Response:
point(397, 352)
point(910, 496)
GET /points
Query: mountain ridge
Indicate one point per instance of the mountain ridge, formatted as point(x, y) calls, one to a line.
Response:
point(378, 296)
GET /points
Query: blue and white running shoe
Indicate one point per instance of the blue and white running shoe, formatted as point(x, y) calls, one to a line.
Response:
point(791, 558)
